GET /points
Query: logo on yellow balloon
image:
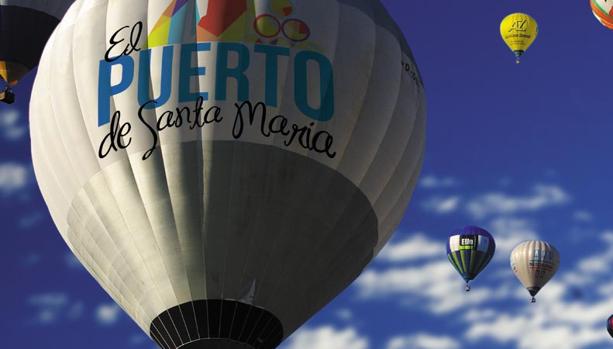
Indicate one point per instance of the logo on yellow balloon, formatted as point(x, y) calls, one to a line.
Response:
point(520, 25)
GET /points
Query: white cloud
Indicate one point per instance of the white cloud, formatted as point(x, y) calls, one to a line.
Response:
point(496, 203)
point(557, 320)
point(435, 286)
point(590, 267)
point(508, 232)
point(10, 127)
point(505, 181)
point(72, 262)
point(138, 339)
point(561, 318)
point(30, 259)
point(479, 314)
point(582, 216)
point(326, 337)
point(422, 341)
point(548, 327)
point(605, 289)
point(75, 311)
point(108, 314)
point(429, 281)
point(13, 178)
point(345, 314)
point(49, 306)
point(31, 219)
point(442, 204)
point(54, 307)
point(416, 247)
point(553, 322)
point(434, 182)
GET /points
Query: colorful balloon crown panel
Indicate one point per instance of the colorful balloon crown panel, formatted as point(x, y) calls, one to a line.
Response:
point(25, 26)
point(470, 250)
point(261, 21)
point(603, 11)
point(221, 185)
point(604, 7)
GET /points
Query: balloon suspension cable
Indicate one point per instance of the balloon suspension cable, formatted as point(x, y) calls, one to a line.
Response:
point(533, 300)
point(467, 288)
point(518, 55)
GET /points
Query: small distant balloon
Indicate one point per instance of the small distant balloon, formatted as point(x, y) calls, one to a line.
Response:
point(603, 11)
point(610, 325)
point(534, 263)
point(518, 30)
point(470, 250)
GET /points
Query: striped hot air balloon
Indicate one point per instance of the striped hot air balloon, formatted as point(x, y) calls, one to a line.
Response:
point(534, 263)
point(470, 250)
point(603, 11)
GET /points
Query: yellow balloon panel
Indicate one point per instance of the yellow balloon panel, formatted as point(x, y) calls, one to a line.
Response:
point(518, 30)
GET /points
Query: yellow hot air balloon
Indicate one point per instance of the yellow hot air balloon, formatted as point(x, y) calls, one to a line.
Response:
point(518, 30)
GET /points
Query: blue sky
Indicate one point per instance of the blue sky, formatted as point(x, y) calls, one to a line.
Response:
point(523, 151)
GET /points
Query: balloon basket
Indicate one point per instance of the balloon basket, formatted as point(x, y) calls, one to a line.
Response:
point(533, 300)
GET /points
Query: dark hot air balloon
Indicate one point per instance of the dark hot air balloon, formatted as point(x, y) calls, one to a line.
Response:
point(25, 26)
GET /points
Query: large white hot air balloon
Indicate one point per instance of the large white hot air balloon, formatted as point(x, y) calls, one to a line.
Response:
point(224, 169)
point(534, 263)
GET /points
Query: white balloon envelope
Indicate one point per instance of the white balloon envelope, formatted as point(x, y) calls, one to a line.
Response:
point(534, 263)
point(225, 168)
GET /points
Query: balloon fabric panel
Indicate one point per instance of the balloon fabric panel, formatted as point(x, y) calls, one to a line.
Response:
point(603, 12)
